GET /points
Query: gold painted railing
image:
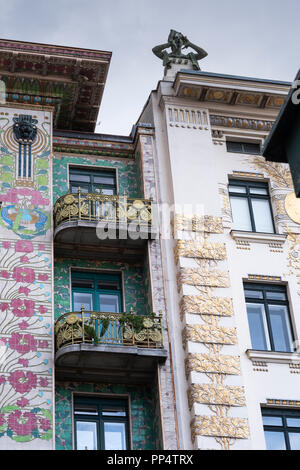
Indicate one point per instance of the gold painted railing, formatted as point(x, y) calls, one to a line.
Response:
point(100, 207)
point(98, 328)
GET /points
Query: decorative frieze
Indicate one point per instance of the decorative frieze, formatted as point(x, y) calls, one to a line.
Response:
point(205, 250)
point(216, 394)
point(213, 363)
point(220, 426)
point(240, 123)
point(196, 223)
point(199, 304)
point(205, 277)
point(210, 334)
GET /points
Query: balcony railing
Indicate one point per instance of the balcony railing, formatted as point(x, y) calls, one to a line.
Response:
point(97, 207)
point(109, 328)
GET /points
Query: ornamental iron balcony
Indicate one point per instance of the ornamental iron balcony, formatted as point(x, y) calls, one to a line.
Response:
point(108, 347)
point(143, 331)
point(97, 207)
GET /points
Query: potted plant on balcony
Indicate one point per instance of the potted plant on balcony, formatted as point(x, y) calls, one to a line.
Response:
point(135, 329)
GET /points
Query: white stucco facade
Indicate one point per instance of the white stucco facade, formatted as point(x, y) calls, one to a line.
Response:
point(221, 383)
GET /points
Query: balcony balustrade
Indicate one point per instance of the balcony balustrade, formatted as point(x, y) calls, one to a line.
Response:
point(99, 220)
point(116, 347)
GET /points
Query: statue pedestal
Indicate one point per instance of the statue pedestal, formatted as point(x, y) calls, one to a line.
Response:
point(176, 65)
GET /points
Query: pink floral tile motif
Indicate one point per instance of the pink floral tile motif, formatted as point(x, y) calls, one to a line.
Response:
point(4, 306)
point(22, 423)
point(22, 343)
point(25, 275)
point(23, 246)
point(23, 382)
point(5, 274)
point(22, 308)
point(6, 245)
point(24, 290)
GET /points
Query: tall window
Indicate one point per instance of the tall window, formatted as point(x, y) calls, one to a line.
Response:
point(282, 429)
point(92, 181)
point(96, 292)
point(251, 206)
point(243, 147)
point(101, 424)
point(268, 317)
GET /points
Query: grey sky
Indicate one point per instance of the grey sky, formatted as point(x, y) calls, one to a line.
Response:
point(256, 38)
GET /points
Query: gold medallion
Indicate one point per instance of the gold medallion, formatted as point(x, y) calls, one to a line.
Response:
point(292, 207)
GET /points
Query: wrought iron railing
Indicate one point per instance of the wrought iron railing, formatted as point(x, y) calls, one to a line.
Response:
point(99, 207)
point(144, 331)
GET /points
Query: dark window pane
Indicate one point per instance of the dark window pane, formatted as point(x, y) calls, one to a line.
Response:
point(272, 420)
point(80, 178)
point(104, 180)
point(113, 411)
point(237, 189)
point(251, 148)
point(293, 422)
point(83, 283)
point(86, 410)
point(275, 440)
point(253, 294)
point(258, 190)
point(234, 146)
point(275, 295)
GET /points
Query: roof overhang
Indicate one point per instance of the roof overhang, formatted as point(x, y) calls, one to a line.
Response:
point(275, 148)
point(69, 79)
point(230, 89)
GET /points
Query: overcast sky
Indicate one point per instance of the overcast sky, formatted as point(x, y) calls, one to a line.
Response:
point(256, 38)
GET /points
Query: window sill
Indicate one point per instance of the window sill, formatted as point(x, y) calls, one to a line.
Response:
point(258, 237)
point(273, 356)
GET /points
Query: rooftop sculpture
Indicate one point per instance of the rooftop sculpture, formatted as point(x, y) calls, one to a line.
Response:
point(177, 42)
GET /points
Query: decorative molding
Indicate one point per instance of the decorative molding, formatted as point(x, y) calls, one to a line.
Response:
point(247, 174)
point(216, 394)
point(205, 250)
point(282, 402)
point(240, 123)
point(195, 223)
point(263, 277)
point(219, 426)
point(213, 363)
point(210, 334)
point(274, 357)
point(274, 239)
point(206, 305)
point(205, 277)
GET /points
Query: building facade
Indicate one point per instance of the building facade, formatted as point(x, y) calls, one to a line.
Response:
point(232, 260)
point(85, 361)
point(150, 282)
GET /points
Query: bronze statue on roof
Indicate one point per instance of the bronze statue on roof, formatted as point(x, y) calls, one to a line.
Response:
point(177, 42)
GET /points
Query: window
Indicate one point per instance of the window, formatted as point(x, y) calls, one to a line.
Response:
point(282, 429)
point(268, 317)
point(92, 181)
point(101, 423)
point(251, 206)
point(96, 292)
point(243, 147)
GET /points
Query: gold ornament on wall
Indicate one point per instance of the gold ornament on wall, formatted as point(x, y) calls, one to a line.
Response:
point(292, 207)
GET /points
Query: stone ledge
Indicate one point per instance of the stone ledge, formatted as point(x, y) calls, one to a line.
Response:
point(258, 237)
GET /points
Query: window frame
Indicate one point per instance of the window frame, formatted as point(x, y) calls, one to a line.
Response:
point(243, 145)
point(247, 184)
point(100, 402)
point(264, 288)
point(284, 428)
point(93, 172)
point(95, 290)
